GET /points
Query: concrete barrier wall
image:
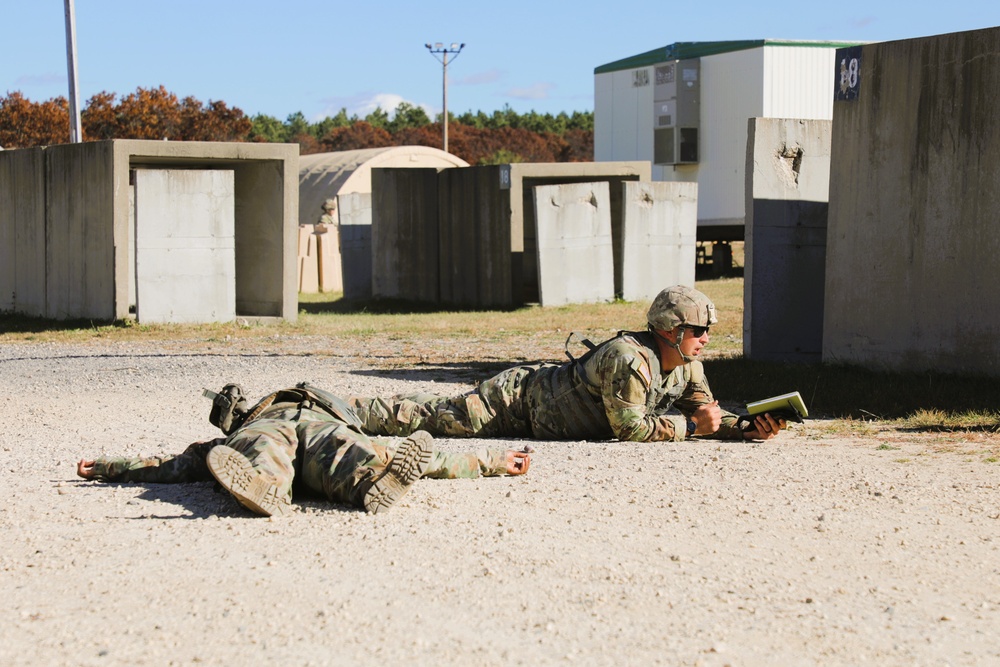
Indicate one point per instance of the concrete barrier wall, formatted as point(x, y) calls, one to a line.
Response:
point(913, 236)
point(479, 230)
point(356, 244)
point(787, 191)
point(405, 234)
point(575, 256)
point(22, 231)
point(474, 238)
point(69, 218)
point(659, 226)
point(80, 246)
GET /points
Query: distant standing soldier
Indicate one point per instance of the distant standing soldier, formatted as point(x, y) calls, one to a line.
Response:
point(620, 389)
point(330, 215)
point(306, 437)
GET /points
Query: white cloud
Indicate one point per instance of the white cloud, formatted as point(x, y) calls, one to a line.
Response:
point(362, 104)
point(537, 91)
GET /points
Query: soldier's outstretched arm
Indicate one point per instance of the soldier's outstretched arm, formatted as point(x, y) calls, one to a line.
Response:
point(487, 462)
point(189, 466)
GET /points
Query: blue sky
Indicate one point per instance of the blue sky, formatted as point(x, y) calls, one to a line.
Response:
point(316, 57)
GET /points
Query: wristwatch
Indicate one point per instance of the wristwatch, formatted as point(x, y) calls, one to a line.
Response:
point(691, 427)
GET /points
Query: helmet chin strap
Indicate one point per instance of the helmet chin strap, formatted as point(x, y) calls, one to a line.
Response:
point(674, 344)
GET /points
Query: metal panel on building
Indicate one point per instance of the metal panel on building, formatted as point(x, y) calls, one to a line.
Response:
point(575, 257)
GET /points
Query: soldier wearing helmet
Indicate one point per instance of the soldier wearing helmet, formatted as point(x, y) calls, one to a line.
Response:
point(622, 388)
point(330, 215)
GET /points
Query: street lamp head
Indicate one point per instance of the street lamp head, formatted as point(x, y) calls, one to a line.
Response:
point(428, 46)
point(438, 45)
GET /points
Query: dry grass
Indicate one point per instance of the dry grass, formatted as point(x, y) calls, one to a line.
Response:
point(396, 334)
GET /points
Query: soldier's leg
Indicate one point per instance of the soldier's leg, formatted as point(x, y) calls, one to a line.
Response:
point(348, 467)
point(493, 409)
point(256, 465)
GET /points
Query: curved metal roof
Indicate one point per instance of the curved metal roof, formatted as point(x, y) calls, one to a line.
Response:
point(325, 175)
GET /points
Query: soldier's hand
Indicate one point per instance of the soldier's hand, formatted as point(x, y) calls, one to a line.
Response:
point(85, 468)
point(764, 427)
point(518, 462)
point(708, 418)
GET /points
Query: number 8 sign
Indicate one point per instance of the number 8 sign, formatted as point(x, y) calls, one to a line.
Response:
point(847, 78)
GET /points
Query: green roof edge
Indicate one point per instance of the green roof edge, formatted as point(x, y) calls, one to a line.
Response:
point(685, 50)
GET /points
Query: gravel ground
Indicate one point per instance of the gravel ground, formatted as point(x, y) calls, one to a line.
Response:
point(815, 549)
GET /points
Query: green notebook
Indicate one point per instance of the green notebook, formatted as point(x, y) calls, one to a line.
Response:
point(787, 406)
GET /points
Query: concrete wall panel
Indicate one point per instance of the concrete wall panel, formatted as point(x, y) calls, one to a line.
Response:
point(575, 257)
point(266, 239)
point(185, 246)
point(658, 238)
point(788, 173)
point(22, 231)
point(474, 238)
point(405, 234)
point(80, 239)
point(913, 240)
point(356, 244)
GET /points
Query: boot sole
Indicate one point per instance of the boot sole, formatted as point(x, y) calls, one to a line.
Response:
point(235, 472)
point(406, 467)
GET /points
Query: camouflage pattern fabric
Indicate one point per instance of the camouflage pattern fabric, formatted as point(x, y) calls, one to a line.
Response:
point(613, 392)
point(334, 456)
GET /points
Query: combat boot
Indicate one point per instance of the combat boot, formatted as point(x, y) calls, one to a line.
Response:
point(253, 490)
point(406, 467)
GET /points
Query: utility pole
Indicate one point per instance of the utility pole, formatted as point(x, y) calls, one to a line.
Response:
point(455, 49)
point(75, 133)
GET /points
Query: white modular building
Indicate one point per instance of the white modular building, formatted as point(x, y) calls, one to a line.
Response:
point(685, 108)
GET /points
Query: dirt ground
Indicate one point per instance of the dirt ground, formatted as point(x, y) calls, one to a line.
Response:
point(813, 549)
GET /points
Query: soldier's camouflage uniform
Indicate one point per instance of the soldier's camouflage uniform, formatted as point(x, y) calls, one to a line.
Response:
point(301, 446)
point(614, 391)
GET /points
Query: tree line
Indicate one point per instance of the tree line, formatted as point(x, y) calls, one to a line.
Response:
point(155, 113)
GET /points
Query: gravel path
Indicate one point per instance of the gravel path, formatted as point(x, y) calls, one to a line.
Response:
point(817, 549)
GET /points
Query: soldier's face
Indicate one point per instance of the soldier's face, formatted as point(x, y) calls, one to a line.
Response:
point(694, 339)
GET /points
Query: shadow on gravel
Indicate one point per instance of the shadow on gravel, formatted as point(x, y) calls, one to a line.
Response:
point(203, 500)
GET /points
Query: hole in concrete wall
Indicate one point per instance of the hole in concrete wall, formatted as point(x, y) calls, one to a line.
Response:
point(789, 163)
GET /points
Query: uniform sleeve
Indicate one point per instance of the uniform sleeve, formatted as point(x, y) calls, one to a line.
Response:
point(189, 466)
point(625, 380)
point(698, 393)
point(482, 462)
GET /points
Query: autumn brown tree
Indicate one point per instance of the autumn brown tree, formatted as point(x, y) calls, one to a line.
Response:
point(24, 123)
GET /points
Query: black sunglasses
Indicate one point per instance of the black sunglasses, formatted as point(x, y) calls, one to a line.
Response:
point(698, 332)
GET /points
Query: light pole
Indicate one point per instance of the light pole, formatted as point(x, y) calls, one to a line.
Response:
point(455, 49)
point(75, 132)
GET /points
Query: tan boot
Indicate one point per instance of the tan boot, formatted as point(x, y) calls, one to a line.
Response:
point(252, 489)
point(405, 468)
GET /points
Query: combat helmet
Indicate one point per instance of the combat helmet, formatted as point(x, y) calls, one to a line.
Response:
point(329, 204)
point(680, 305)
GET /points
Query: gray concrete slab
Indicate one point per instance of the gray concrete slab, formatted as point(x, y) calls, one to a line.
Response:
point(356, 244)
point(185, 246)
point(913, 241)
point(659, 226)
point(787, 190)
point(575, 255)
